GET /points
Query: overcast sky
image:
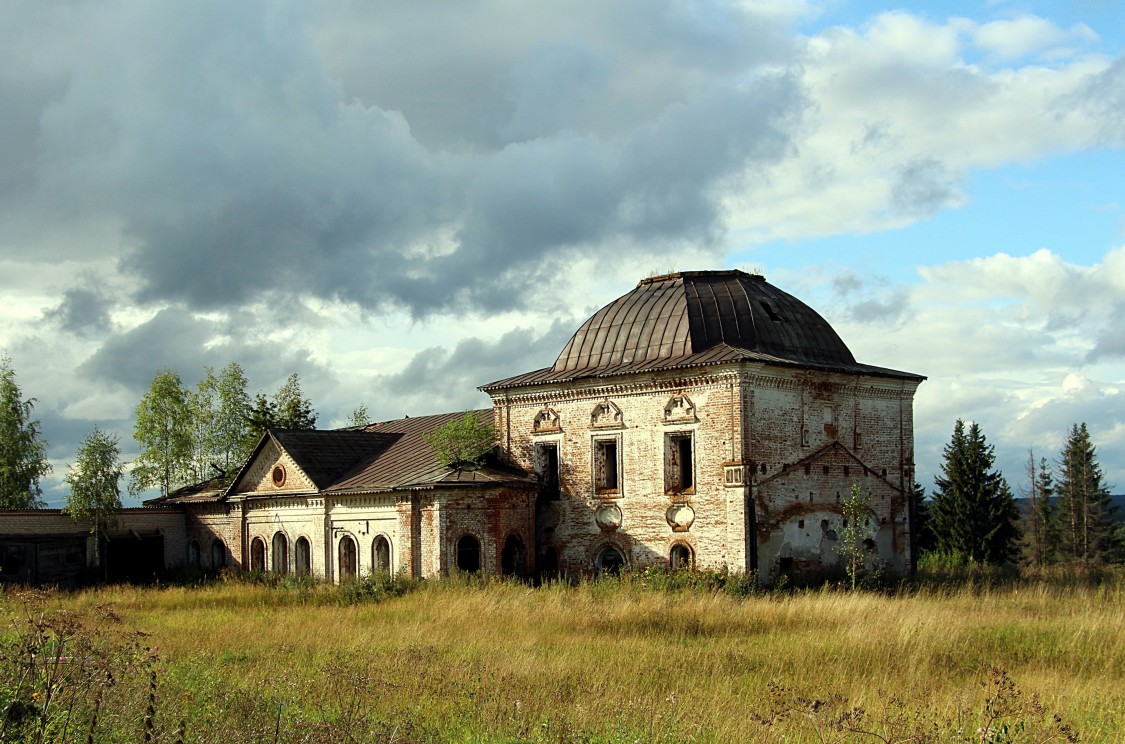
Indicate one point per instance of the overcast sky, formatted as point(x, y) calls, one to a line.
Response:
point(403, 201)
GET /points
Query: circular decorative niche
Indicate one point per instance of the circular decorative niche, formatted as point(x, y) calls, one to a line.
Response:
point(278, 475)
point(608, 517)
point(680, 517)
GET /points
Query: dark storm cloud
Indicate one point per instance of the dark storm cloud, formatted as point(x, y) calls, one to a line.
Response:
point(253, 148)
point(175, 339)
point(82, 311)
point(437, 379)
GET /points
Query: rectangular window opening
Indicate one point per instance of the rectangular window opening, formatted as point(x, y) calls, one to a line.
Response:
point(605, 464)
point(679, 463)
point(547, 469)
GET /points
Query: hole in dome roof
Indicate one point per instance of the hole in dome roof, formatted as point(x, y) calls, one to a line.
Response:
point(770, 311)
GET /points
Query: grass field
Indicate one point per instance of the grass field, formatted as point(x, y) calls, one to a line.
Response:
point(641, 659)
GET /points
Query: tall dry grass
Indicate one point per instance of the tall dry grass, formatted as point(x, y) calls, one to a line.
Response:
point(620, 661)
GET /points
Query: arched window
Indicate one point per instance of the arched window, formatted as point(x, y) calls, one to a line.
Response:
point(193, 552)
point(513, 558)
point(680, 556)
point(468, 554)
point(609, 562)
point(347, 558)
point(258, 554)
point(280, 553)
point(218, 554)
point(302, 555)
point(381, 554)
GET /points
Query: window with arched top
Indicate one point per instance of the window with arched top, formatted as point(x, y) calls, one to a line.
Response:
point(680, 556)
point(513, 557)
point(610, 562)
point(280, 553)
point(468, 554)
point(346, 558)
point(257, 554)
point(381, 554)
point(218, 554)
point(302, 556)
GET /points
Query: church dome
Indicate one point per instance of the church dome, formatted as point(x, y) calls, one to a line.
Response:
point(678, 315)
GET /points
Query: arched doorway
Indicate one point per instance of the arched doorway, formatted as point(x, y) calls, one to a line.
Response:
point(381, 554)
point(513, 557)
point(468, 554)
point(218, 554)
point(280, 553)
point(610, 562)
point(302, 555)
point(680, 557)
point(347, 558)
point(548, 563)
point(258, 554)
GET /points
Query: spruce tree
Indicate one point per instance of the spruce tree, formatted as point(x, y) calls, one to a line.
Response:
point(1084, 509)
point(1039, 525)
point(973, 513)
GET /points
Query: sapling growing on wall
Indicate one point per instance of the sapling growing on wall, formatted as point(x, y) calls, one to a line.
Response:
point(462, 441)
point(856, 511)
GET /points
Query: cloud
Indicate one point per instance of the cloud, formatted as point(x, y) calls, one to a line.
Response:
point(83, 311)
point(248, 150)
point(1026, 35)
point(438, 379)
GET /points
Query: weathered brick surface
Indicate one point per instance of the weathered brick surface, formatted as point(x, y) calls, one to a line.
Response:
point(764, 423)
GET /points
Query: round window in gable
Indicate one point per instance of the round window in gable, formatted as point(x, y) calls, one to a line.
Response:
point(279, 475)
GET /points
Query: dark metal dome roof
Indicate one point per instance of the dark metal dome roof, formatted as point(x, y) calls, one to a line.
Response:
point(676, 315)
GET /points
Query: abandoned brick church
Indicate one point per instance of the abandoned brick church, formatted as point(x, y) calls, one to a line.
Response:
point(705, 418)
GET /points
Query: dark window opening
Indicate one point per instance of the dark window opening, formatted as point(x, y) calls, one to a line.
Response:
point(468, 554)
point(513, 558)
point(258, 554)
point(847, 471)
point(808, 469)
point(302, 554)
point(800, 524)
point(610, 562)
point(680, 557)
point(193, 553)
point(825, 469)
point(549, 562)
point(605, 465)
point(547, 469)
point(785, 565)
point(218, 554)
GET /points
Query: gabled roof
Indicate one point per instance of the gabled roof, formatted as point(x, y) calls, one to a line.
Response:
point(410, 463)
point(325, 456)
point(386, 456)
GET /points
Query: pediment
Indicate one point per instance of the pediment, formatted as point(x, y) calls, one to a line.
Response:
point(271, 471)
point(838, 459)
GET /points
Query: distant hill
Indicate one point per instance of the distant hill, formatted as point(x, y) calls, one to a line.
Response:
point(1117, 502)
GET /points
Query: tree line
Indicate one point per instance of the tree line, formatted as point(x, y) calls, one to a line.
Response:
point(186, 435)
point(973, 516)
